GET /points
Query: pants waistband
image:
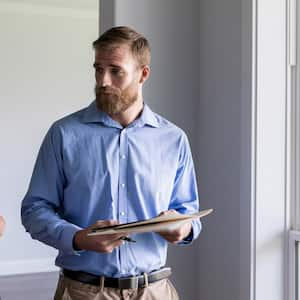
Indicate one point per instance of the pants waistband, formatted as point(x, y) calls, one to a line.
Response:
point(132, 282)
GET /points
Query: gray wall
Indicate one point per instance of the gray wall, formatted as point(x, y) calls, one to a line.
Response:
point(201, 81)
point(220, 141)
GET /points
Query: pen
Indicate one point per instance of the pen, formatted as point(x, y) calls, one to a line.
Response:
point(127, 239)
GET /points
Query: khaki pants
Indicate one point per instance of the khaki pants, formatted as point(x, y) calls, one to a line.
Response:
point(68, 289)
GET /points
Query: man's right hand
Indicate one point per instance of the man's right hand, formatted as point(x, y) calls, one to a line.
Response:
point(99, 243)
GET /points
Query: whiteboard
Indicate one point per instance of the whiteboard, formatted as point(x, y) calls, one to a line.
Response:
point(46, 72)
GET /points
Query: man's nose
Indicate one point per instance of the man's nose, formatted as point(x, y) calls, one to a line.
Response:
point(105, 79)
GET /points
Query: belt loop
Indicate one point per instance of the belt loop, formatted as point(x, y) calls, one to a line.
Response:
point(102, 278)
point(146, 279)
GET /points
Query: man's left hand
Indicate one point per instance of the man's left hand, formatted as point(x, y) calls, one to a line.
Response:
point(176, 235)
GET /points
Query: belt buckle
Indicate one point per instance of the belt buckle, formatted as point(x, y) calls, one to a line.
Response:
point(129, 283)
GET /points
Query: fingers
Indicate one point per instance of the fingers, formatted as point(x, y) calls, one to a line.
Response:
point(176, 235)
point(168, 212)
point(109, 245)
point(170, 238)
point(104, 223)
point(100, 243)
point(107, 223)
point(105, 243)
point(117, 243)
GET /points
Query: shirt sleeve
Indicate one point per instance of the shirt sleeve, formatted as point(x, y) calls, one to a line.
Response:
point(185, 193)
point(40, 211)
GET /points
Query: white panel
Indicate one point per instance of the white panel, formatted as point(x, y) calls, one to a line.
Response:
point(46, 72)
point(270, 150)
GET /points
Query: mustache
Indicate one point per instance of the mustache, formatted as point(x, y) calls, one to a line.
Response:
point(106, 90)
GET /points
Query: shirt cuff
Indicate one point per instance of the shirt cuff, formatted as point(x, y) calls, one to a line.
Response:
point(195, 231)
point(67, 240)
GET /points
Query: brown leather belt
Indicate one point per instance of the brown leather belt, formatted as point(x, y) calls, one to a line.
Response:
point(133, 282)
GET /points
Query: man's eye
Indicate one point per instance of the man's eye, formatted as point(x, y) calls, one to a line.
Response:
point(117, 72)
point(97, 68)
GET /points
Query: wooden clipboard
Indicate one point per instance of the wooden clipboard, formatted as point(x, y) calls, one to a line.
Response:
point(160, 223)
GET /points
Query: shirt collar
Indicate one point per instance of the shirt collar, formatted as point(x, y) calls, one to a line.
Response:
point(94, 115)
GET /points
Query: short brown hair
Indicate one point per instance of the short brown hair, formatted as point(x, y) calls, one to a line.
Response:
point(138, 44)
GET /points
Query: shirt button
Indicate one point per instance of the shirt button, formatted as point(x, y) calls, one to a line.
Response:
point(122, 213)
point(123, 185)
point(123, 156)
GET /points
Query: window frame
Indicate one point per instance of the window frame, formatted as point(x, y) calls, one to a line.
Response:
point(293, 149)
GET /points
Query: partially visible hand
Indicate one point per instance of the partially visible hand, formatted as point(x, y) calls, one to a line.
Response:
point(2, 225)
point(99, 243)
point(176, 235)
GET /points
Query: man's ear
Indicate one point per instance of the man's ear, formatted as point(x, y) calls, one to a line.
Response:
point(145, 73)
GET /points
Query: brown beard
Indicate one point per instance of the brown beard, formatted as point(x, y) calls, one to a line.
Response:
point(114, 101)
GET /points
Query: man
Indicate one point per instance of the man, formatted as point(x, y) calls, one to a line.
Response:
point(113, 162)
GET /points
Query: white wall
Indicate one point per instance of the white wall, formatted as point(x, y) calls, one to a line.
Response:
point(46, 72)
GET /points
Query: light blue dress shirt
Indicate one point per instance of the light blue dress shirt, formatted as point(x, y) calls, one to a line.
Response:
point(90, 168)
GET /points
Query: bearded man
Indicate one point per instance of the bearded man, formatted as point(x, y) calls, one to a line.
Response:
point(113, 162)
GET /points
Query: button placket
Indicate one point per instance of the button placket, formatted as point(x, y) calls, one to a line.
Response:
point(123, 177)
point(122, 201)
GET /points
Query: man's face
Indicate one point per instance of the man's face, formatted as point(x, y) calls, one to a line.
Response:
point(117, 79)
